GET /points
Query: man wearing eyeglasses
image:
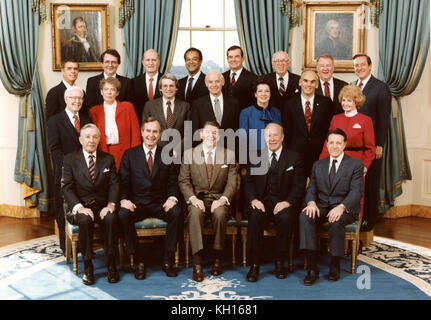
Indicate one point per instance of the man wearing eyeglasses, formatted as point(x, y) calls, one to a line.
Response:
point(63, 138)
point(285, 84)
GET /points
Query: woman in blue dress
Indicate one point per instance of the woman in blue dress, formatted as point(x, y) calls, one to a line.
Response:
point(257, 117)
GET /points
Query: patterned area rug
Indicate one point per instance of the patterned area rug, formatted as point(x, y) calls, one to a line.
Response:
point(387, 269)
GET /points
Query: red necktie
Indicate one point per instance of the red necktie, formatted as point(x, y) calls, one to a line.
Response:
point(360, 84)
point(168, 115)
point(77, 124)
point(327, 91)
point(308, 115)
point(150, 163)
point(150, 90)
point(232, 82)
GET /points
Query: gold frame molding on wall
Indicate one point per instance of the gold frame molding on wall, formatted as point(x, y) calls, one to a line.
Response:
point(318, 13)
point(62, 15)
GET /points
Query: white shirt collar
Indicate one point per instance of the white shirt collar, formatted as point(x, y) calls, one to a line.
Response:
point(237, 73)
point(364, 82)
point(304, 100)
point(155, 77)
point(86, 155)
point(165, 101)
point(339, 159)
point(106, 76)
point(277, 153)
point(146, 150)
point(351, 114)
point(330, 81)
point(220, 98)
point(195, 77)
point(70, 114)
point(68, 86)
point(285, 78)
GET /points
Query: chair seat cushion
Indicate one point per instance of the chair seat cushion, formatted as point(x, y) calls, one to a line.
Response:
point(349, 228)
point(151, 223)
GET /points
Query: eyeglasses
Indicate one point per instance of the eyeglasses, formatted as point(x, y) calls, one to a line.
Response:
point(280, 61)
point(76, 98)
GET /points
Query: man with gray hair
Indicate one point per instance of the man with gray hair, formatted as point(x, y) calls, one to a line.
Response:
point(170, 112)
point(63, 134)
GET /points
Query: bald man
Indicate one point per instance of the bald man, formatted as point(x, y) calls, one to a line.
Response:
point(145, 86)
point(285, 84)
point(306, 118)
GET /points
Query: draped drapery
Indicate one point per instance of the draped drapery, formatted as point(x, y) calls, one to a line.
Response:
point(19, 28)
point(153, 25)
point(263, 30)
point(404, 38)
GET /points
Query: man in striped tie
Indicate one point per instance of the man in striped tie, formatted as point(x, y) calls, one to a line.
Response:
point(91, 190)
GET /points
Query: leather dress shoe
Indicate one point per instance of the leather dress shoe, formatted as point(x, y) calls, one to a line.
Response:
point(88, 276)
point(140, 272)
point(311, 277)
point(198, 274)
point(113, 274)
point(334, 274)
point(253, 274)
point(280, 271)
point(169, 270)
point(365, 226)
point(217, 269)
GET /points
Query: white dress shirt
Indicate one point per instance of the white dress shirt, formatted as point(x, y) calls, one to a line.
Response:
point(277, 154)
point(71, 115)
point(285, 78)
point(220, 100)
point(195, 78)
point(364, 82)
point(331, 87)
point(165, 106)
point(337, 164)
point(304, 100)
point(111, 129)
point(237, 74)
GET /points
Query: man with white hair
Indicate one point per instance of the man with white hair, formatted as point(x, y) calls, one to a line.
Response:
point(331, 43)
point(284, 83)
point(63, 134)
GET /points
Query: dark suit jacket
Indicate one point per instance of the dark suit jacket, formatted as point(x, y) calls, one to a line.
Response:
point(242, 90)
point(199, 89)
point(338, 85)
point(347, 188)
point(297, 137)
point(76, 50)
point(55, 102)
point(140, 93)
point(182, 112)
point(77, 187)
point(378, 107)
point(136, 183)
point(94, 98)
point(293, 88)
point(291, 179)
point(63, 139)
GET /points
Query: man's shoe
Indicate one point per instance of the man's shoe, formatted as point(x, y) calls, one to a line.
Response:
point(88, 276)
point(280, 271)
point(140, 272)
point(311, 277)
point(169, 270)
point(366, 226)
point(253, 274)
point(198, 274)
point(113, 274)
point(217, 269)
point(334, 274)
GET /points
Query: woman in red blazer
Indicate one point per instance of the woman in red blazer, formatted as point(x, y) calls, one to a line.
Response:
point(116, 121)
point(358, 127)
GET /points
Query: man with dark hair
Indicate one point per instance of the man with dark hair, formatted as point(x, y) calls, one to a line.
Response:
point(377, 106)
point(328, 85)
point(149, 188)
point(55, 97)
point(80, 47)
point(110, 62)
point(238, 80)
point(193, 85)
point(334, 195)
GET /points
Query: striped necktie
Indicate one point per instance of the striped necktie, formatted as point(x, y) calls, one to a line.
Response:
point(76, 123)
point(91, 167)
point(282, 89)
point(232, 82)
point(168, 115)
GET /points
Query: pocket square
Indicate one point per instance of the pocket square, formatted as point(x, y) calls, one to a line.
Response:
point(224, 166)
point(290, 168)
point(357, 126)
point(105, 170)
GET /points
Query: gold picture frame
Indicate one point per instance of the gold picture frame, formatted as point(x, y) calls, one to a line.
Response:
point(335, 28)
point(79, 31)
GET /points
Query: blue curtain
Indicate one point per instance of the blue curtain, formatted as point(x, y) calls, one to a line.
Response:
point(19, 28)
point(153, 25)
point(262, 30)
point(404, 39)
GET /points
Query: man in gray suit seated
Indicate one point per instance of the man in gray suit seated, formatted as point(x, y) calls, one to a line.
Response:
point(333, 195)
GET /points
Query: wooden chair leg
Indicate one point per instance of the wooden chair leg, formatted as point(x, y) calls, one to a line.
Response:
point(244, 250)
point(68, 248)
point(121, 252)
point(75, 256)
point(354, 253)
point(177, 255)
point(233, 249)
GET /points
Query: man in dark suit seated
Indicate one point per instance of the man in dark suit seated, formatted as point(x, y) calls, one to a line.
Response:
point(111, 60)
point(328, 85)
point(91, 190)
point(55, 97)
point(208, 180)
point(378, 107)
point(306, 118)
point(334, 195)
point(273, 195)
point(285, 84)
point(145, 86)
point(63, 138)
point(193, 85)
point(149, 189)
point(169, 111)
point(238, 80)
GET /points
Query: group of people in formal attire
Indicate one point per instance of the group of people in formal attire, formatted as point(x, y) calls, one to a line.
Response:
point(115, 165)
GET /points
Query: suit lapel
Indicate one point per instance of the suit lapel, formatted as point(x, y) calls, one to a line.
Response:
point(177, 111)
point(200, 163)
point(282, 165)
point(218, 162)
point(300, 115)
point(68, 125)
point(316, 112)
point(156, 162)
point(81, 163)
point(159, 114)
point(340, 171)
point(324, 172)
point(99, 167)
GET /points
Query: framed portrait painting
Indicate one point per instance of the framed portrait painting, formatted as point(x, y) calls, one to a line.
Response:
point(335, 28)
point(79, 31)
